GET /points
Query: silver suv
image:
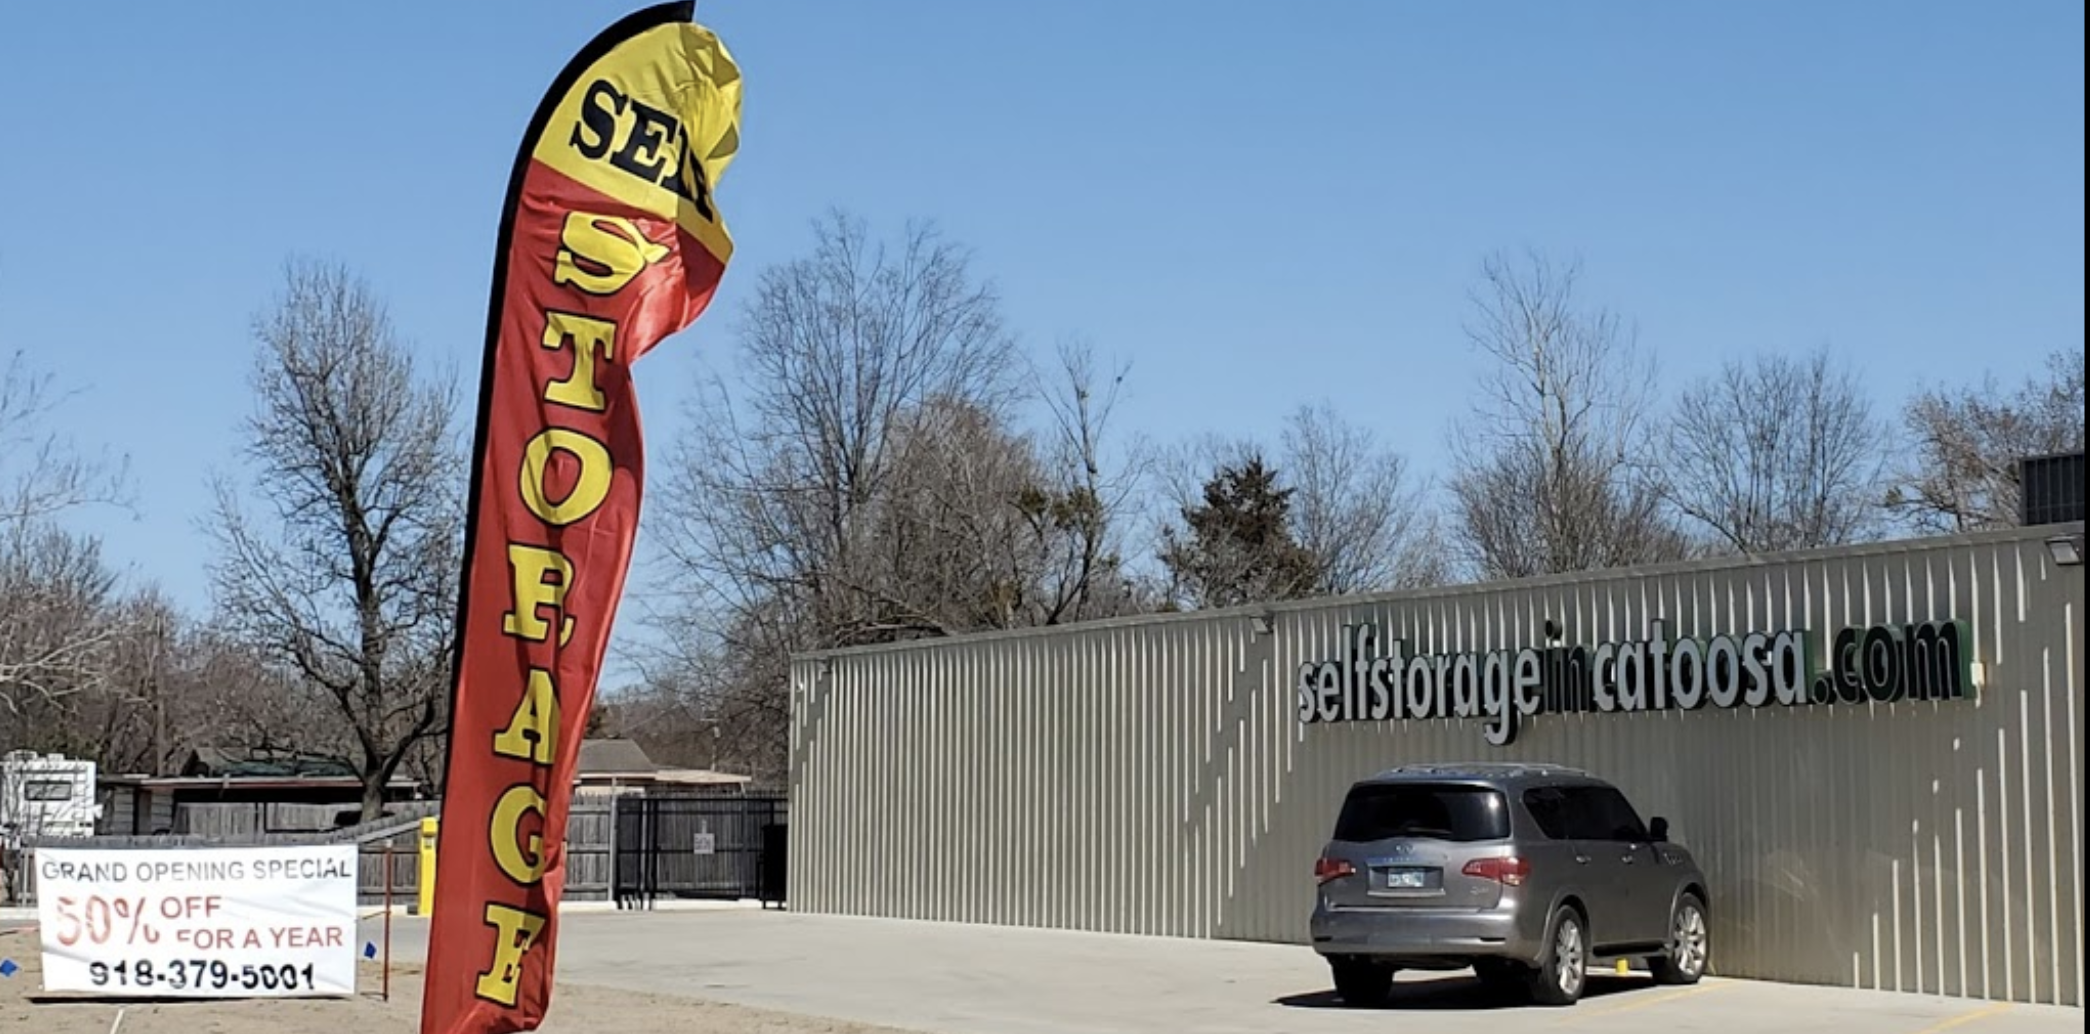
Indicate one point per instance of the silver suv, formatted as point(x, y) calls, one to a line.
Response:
point(1526, 873)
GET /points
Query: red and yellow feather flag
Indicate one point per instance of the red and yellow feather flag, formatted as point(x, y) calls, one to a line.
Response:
point(610, 241)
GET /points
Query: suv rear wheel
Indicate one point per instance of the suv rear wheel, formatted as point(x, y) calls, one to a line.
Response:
point(1563, 967)
point(1362, 983)
point(1690, 944)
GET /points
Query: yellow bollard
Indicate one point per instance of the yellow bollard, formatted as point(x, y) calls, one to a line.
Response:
point(1624, 968)
point(426, 878)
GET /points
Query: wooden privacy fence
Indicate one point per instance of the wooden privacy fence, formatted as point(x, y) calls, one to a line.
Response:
point(249, 821)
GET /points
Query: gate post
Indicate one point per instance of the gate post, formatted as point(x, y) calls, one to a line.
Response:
point(616, 887)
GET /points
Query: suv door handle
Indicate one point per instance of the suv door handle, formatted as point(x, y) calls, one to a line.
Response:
point(1581, 859)
point(1629, 857)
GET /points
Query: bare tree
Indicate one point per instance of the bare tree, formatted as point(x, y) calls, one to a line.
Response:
point(161, 685)
point(1963, 472)
point(350, 582)
point(59, 631)
point(717, 702)
point(42, 475)
point(224, 692)
point(952, 539)
point(862, 366)
point(1777, 453)
point(1079, 514)
point(771, 492)
point(1551, 475)
point(986, 527)
point(143, 715)
point(1355, 508)
point(53, 641)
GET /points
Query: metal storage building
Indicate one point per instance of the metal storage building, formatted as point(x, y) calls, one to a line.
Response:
point(1177, 775)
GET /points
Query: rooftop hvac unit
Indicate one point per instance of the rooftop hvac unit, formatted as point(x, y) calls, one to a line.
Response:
point(2050, 488)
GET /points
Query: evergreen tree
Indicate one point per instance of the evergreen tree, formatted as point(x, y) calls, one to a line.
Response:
point(1237, 547)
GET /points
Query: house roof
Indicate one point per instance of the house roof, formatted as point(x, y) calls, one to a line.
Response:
point(702, 777)
point(214, 763)
point(250, 782)
point(615, 757)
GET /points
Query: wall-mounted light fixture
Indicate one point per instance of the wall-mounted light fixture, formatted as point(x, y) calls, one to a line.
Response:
point(1262, 623)
point(2067, 550)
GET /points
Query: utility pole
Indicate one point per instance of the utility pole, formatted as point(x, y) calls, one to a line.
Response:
point(159, 696)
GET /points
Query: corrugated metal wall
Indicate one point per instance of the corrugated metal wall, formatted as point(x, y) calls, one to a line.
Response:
point(1152, 777)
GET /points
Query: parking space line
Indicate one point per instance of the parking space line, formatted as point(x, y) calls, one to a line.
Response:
point(1950, 1022)
point(1583, 1012)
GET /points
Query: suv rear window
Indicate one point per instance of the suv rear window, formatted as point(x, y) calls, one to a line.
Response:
point(1461, 814)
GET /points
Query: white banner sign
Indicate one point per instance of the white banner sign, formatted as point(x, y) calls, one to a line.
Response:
point(240, 922)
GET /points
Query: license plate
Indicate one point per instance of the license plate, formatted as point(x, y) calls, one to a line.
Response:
point(1406, 879)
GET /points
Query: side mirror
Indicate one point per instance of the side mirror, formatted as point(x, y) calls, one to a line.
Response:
point(1658, 830)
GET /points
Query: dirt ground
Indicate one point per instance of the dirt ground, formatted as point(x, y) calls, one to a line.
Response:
point(575, 1010)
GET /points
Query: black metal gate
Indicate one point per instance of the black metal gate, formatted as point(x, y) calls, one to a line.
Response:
point(698, 847)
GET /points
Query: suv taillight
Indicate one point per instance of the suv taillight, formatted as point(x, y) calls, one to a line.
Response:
point(1510, 872)
point(1326, 869)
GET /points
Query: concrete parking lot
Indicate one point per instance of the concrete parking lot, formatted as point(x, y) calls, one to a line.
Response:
point(948, 979)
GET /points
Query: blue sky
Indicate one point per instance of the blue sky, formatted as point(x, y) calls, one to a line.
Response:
point(1258, 205)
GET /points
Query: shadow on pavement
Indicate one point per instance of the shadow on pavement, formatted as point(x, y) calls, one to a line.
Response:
point(1460, 992)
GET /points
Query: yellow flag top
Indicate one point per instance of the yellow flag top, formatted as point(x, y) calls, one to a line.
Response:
point(654, 124)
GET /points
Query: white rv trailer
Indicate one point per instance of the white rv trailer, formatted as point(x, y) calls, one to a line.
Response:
point(46, 795)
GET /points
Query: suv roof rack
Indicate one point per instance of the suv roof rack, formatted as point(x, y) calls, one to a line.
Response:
point(1492, 769)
